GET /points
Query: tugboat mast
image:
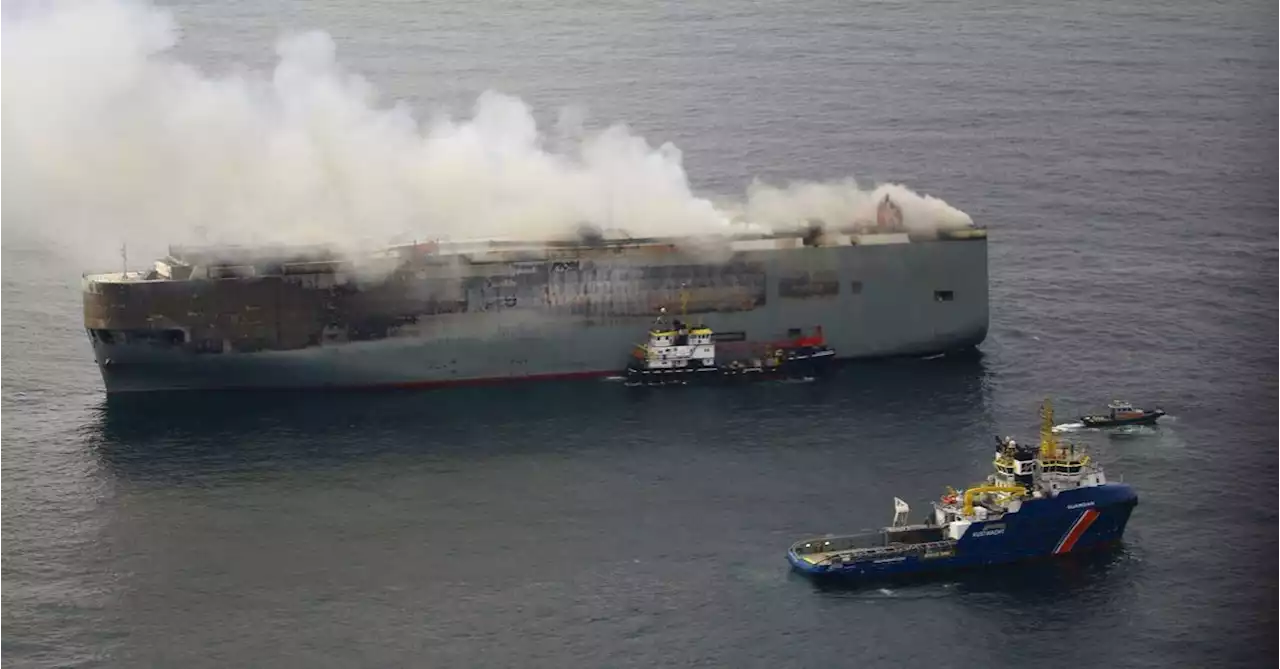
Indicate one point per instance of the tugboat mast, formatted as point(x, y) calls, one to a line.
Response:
point(1048, 440)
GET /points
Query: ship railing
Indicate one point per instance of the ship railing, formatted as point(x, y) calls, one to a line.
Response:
point(1070, 478)
point(1074, 467)
point(112, 277)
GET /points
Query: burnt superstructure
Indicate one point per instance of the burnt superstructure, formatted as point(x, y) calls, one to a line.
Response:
point(452, 312)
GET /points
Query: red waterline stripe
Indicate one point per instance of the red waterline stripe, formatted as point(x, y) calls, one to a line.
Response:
point(395, 385)
point(1077, 530)
point(432, 383)
point(492, 380)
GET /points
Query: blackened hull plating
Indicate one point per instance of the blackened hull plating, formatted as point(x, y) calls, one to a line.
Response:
point(916, 298)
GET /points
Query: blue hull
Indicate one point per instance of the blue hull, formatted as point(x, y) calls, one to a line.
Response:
point(1075, 521)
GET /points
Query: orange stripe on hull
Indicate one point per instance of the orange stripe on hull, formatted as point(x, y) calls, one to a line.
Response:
point(1077, 530)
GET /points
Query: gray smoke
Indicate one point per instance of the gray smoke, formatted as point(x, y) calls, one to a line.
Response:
point(108, 137)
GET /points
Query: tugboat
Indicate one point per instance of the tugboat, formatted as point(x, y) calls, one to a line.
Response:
point(682, 354)
point(1044, 501)
point(1122, 413)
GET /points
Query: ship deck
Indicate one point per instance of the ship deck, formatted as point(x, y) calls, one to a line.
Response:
point(819, 558)
point(891, 549)
point(184, 263)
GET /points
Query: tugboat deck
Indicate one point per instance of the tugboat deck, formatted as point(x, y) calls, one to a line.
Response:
point(892, 550)
point(890, 542)
point(681, 353)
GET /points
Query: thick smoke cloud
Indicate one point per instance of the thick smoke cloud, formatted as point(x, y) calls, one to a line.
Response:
point(107, 136)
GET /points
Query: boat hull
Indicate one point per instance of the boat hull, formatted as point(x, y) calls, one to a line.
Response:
point(1148, 418)
point(804, 366)
point(912, 299)
point(1073, 522)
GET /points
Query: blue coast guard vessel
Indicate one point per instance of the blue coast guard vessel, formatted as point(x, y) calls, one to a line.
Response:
point(1043, 501)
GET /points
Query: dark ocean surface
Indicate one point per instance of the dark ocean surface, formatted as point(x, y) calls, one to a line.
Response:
point(1122, 155)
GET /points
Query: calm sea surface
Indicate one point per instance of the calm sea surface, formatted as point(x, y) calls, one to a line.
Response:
point(1122, 154)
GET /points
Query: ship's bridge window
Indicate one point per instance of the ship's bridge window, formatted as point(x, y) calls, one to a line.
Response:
point(943, 295)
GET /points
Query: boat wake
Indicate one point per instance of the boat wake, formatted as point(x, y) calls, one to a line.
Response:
point(1135, 429)
point(1118, 429)
point(902, 591)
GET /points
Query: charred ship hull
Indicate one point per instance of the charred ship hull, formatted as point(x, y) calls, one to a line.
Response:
point(442, 314)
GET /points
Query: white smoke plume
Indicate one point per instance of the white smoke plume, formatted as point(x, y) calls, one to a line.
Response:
point(845, 205)
point(107, 136)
